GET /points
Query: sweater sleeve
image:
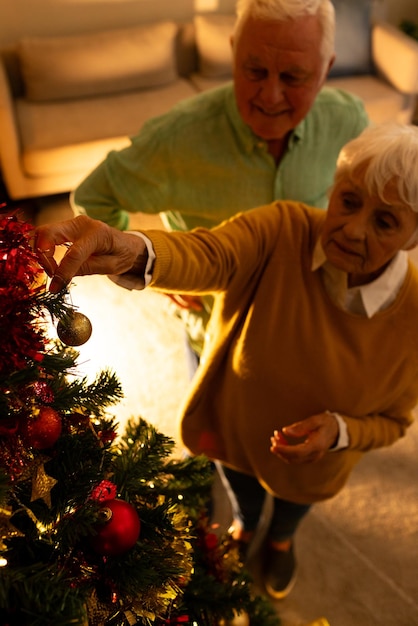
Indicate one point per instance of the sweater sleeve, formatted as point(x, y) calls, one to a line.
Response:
point(375, 431)
point(207, 260)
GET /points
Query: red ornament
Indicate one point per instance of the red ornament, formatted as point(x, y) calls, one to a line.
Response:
point(43, 431)
point(104, 491)
point(107, 436)
point(119, 530)
point(211, 541)
point(280, 438)
point(43, 391)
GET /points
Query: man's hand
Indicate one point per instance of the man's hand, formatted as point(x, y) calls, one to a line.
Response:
point(306, 441)
point(92, 248)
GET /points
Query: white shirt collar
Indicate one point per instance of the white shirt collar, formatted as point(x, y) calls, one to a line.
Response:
point(366, 299)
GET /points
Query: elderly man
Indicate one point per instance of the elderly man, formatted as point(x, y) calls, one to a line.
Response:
point(273, 133)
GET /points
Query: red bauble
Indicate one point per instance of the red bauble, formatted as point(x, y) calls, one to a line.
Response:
point(44, 430)
point(119, 531)
point(280, 438)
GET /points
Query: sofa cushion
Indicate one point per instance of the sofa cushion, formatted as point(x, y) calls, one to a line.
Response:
point(66, 135)
point(213, 44)
point(57, 68)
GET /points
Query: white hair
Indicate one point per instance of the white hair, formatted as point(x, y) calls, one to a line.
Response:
point(387, 152)
point(283, 10)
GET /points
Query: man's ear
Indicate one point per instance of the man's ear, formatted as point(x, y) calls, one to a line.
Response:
point(330, 64)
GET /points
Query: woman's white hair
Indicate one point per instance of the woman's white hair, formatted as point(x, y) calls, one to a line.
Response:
point(283, 10)
point(387, 152)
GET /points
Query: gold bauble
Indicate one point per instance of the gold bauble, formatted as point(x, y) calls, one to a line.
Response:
point(74, 329)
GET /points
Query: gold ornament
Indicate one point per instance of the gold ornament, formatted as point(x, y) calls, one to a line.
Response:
point(42, 485)
point(74, 329)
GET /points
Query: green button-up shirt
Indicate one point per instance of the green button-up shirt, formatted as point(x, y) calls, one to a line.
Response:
point(200, 164)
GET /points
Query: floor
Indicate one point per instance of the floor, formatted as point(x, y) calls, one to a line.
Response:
point(357, 553)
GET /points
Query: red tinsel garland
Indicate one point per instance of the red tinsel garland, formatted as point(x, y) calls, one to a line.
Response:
point(22, 338)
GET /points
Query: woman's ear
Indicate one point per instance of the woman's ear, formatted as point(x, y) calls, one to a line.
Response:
point(412, 241)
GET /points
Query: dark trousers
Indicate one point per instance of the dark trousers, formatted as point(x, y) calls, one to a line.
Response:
point(247, 498)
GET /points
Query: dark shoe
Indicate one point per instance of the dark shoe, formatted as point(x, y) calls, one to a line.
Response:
point(279, 571)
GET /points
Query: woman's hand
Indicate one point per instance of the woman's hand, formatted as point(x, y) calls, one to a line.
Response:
point(92, 248)
point(306, 441)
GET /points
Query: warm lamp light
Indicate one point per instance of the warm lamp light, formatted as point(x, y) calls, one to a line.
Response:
point(206, 5)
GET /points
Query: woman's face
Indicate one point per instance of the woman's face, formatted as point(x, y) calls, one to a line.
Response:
point(362, 233)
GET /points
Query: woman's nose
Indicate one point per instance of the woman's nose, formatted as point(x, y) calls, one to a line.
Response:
point(356, 227)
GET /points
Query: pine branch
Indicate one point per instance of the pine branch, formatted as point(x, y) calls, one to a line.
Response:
point(92, 398)
point(39, 596)
point(57, 305)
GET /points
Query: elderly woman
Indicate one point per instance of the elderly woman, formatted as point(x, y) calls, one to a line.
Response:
point(312, 352)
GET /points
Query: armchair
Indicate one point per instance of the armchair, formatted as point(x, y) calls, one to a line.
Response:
point(389, 90)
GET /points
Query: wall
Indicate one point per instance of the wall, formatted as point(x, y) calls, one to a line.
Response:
point(394, 11)
point(49, 17)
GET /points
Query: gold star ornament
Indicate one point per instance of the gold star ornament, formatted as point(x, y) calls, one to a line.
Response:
point(42, 485)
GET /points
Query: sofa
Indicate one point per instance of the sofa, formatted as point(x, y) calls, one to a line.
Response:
point(65, 102)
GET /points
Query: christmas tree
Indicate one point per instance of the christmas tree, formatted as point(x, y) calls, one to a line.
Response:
point(96, 527)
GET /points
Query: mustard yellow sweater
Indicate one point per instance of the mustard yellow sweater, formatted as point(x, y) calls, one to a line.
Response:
point(279, 350)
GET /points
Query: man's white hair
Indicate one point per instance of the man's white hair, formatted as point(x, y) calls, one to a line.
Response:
point(283, 10)
point(387, 152)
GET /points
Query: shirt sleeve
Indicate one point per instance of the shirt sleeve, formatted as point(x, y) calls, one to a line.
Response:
point(343, 439)
point(129, 180)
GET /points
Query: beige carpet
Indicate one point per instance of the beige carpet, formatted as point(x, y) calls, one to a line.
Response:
point(357, 553)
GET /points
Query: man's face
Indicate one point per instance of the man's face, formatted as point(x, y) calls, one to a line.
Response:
point(362, 233)
point(278, 71)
